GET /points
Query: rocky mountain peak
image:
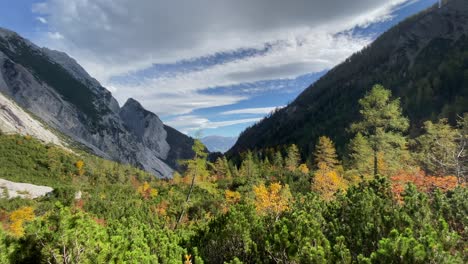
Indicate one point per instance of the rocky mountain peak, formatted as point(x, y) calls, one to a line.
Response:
point(54, 87)
point(146, 125)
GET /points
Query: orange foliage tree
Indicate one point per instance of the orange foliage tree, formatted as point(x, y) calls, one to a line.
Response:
point(272, 200)
point(423, 182)
point(328, 178)
point(327, 182)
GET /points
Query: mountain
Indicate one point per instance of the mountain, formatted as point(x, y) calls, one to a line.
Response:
point(218, 143)
point(64, 96)
point(423, 60)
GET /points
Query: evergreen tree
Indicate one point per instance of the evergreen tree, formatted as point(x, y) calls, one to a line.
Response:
point(293, 158)
point(249, 167)
point(221, 168)
point(278, 161)
point(383, 125)
point(360, 155)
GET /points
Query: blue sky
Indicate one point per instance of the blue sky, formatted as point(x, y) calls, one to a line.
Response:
point(210, 66)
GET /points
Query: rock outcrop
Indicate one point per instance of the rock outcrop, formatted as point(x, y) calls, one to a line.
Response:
point(14, 120)
point(9, 189)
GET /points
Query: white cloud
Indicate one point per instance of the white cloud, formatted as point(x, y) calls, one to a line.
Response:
point(190, 123)
point(55, 35)
point(118, 37)
point(180, 93)
point(173, 103)
point(314, 52)
point(259, 110)
point(42, 20)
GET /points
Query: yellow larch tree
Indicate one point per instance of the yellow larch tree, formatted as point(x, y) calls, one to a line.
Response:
point(272, 200)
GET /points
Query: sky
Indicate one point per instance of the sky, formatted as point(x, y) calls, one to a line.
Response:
point(209, 67)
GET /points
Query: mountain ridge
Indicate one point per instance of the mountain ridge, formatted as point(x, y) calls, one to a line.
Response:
point(61, 93)
point(422, 60)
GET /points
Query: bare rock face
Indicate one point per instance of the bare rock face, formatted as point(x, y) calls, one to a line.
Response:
point(146, 126)
point(60, 92)
point(13, 119)
point(24, 190)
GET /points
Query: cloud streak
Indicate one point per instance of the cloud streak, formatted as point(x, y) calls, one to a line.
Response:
point(191, 123)
point(259, 110)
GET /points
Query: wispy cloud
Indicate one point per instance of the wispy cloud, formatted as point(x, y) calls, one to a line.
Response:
point(190, 123)
point(259, 110)
point(313, 52)
point(42, 20)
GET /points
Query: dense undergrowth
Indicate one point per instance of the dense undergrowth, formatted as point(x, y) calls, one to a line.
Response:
point(391, 205)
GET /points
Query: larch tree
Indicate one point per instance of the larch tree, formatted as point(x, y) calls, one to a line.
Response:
point(196, 168)
point(361, 157)
point(293, 158)
point(325, 153)
point(383, 126)
point(328, 178)
point(272, 200)
point(442, 149)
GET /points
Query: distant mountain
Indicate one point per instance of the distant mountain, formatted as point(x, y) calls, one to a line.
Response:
point(218, 143)
point(63, 95)
point(423, 60)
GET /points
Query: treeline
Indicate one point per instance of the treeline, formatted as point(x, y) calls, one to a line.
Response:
point(392, 199)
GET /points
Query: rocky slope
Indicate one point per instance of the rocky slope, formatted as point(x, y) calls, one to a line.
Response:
point(58, 90)
point(13, 119)
point(423, 60)
point(9, 189)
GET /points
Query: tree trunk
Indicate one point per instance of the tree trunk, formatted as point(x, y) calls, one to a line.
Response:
point(375, 163)
point(186, 200)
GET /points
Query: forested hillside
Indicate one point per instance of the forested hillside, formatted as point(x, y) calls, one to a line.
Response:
point(423, 60)
point(386, 205)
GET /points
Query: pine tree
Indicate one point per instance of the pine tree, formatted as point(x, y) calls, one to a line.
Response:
point(383, 125)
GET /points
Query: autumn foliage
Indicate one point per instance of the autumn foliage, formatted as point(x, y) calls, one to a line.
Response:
point(423, 182)
point(146, 191)
point(80, 167)
point(272, 200)
point(17, 219)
